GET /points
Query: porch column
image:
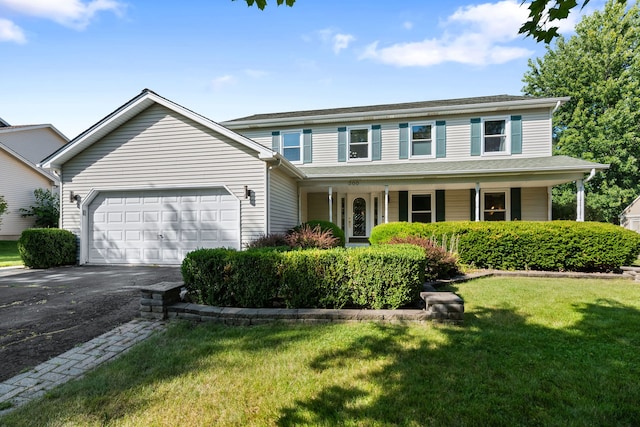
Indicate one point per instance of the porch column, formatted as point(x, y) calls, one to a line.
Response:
point(330, 204)
point(580, 201)
point(549, 203)
point(477, 201)
point(386, 204)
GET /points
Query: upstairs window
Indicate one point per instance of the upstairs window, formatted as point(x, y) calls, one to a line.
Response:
point(292, 146)
point(359, 140)
point(422, 140)
point(495, 136)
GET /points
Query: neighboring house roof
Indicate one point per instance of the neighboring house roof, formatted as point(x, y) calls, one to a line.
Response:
point(457, 168)
point(389, 111)
point(20, 128)
point(17, 156)
point(631, 205)
point(135, 106)
point(3, 123)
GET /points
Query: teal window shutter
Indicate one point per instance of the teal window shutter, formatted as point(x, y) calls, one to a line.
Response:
point(441, 139)
point(342, 144)
point(472, 203)
point(403, 208)
point(516, 204)
point(307, 146)
point(376, 142)
point(476, 137)
point(275, 141)
point(404, 141)
point(516, 134)
point(440, 206)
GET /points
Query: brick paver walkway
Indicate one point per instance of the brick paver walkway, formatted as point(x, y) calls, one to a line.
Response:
point(74, 363)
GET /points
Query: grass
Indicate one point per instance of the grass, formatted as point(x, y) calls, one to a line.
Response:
point(532, 352)
point(9, 255)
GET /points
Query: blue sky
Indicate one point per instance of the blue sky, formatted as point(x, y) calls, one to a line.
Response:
point(71, 62)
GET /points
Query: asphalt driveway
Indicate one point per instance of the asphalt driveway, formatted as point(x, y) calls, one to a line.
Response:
point(46, 312)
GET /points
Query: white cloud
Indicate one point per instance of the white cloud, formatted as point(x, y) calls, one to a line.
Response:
point(478, 35)
point(407, 25)
point(76, 14)
point(338, 41)
point(222, 81)
point(10, 32)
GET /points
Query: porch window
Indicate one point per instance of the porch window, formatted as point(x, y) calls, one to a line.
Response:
point(292, 146)
point(495, 136)
point(359, 144)
point(421, 208)
point(421, 140)
point(495, 206)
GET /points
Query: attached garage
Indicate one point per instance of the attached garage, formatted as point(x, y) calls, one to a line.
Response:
point(160, 226)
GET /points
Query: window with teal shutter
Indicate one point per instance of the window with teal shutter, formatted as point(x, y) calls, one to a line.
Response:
point(441, 139)
point(307, 146)
point(476, 137)
point(404, 141)
point(342, 144)
point(275, 141)
point(516, 134)
point(376, 142)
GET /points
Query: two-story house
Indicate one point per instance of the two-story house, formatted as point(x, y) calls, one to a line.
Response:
point(154, 180)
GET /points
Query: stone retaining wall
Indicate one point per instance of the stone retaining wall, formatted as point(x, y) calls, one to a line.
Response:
point(162, 301)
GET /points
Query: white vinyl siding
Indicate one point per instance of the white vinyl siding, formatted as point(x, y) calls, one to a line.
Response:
point(536, 137)
point(160, 148)
point(534, 204)
point(283, 203)
point(17, 183)
point(32, 144)
point(457, 205)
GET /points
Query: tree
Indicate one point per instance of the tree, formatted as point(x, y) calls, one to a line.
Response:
point(45, 209)
point(541, 14)
point(599, 68)
point(3, 207)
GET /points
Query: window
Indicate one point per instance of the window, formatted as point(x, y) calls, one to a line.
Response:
point(421, 208)
point(495, 206)
point(359, 144)
point(292, 146)
point(422, 140)
point(495, 136)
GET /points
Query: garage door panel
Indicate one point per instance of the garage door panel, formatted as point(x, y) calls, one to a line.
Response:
point(160, 226)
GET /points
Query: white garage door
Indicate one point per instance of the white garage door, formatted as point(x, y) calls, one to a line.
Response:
point(160, 227)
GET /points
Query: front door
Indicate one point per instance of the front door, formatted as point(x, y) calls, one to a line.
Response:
point(358, 216)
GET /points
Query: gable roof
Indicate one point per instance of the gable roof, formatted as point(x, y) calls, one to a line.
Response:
point(132, 108)
point(3, 123)
point(407, 109)
point(22, 159)
point(21, 128)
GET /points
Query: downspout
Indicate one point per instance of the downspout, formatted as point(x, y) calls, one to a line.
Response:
point(555, 108)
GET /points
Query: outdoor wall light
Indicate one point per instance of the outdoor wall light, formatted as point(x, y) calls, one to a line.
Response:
point(74, 197)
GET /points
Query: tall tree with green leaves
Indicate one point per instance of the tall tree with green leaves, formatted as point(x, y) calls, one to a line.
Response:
point(599, 68)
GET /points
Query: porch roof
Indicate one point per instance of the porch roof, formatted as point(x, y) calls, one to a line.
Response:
point(439, 168)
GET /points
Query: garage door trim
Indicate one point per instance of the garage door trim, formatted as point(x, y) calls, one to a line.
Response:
point(85, 203)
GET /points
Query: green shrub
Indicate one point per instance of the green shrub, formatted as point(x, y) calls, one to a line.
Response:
point(254, 278)
point(46, 208)
point(272, 240)
point(440, 264)
point(324, 226)
point(3, 207)
point(315, 278)
point(206, 273)
point(47, 247)
point(386, 276)
point(527, 245)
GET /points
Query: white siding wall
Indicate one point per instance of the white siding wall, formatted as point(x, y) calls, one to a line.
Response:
point(457, 205)
point(17, 182)
point(283, 204)
point(534, 204)
point(536, 131)
point(160, 148)
point(32, 144)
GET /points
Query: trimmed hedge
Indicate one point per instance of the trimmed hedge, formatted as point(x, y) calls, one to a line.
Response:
point(47, 247)
point(370, 277)
point(528, 245)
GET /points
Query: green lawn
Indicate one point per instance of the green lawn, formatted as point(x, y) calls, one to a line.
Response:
point(9, 255)
point(532, 352)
